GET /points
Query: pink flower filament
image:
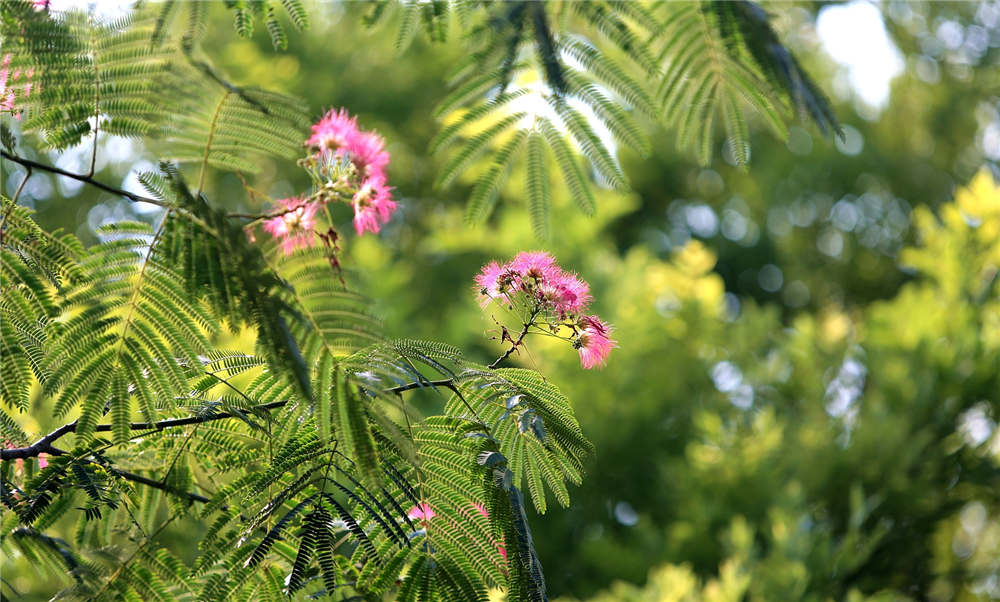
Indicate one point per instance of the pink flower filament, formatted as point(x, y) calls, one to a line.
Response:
point(593, 342)
point(294, 227)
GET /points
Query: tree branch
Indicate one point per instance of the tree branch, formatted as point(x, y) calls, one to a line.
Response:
point(515, 344)
point(135, 198)
point(138, 478)
point(44, 445)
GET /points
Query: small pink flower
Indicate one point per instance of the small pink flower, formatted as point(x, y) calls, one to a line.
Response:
point(333, 130)
point(593, 342)
point(536, 265)
point(339, 132)
point(40, 5)
point(4, 71)
point(42, 462)
point(373, 205)
point(568, 293)
point(367, 151)
point(423, 511)
point(493, 282)
point(294, 227)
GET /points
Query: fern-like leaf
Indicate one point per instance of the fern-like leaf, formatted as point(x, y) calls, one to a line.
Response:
point(539, 194)
point(88, 76)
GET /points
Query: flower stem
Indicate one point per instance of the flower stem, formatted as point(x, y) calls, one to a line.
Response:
point(520, 337)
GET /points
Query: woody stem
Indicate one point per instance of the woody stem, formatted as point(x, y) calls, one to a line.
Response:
point(520, 337)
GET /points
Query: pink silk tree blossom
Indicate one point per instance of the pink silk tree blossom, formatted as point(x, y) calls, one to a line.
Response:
point(593, 342)
point(550, 299)
point(422, 512)
point(294, 227)
point(373, 206)
point(337, 132)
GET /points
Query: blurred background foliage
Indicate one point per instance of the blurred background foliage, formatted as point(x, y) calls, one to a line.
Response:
point(804, 405)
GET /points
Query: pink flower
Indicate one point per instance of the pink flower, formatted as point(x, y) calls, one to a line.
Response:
point(493, 282)
point(593, 342)
point(40, 5)
point(367, 151)
point(567, 293)
point(6, 94)
point(373, 205)
point(423, 511)
point(333, 130)
point(4, 71)
point(337, 133)
point(294, 227)
point(537, 265)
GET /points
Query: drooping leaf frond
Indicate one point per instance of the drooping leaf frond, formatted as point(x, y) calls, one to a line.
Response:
point(696, 67)
point(231, 128)
point(219, 260)
point(86, 76)
point(746, 29)
point(535, 429)
point(133, 333)
point(703, 80)
point(246, 14)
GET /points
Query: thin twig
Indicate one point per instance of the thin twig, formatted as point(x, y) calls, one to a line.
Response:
point(135, 198)
point(138, 478)
point(20, 187)
point(517, 343)
point(44, 445)
point(6, 214)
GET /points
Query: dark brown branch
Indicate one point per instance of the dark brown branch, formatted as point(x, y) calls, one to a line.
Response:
point(444, 382)
point(135, 198)
point(516, 343)
point(44, 445)
point(138, 478)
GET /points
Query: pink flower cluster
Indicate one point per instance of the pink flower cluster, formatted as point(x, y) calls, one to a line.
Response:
point(536, 274)
point(337, 136)
point(534, 281)
point(338, 133)
point(6, 93)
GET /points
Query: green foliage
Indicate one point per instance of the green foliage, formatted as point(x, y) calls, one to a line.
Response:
point(685, 65)
point(314, 455)
point(33, 265)
point(231, 128)
point(246, 14)
point(218, 259)
point(704, 78)
point(132, 323)
point(703, 489)
point(89, 76)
